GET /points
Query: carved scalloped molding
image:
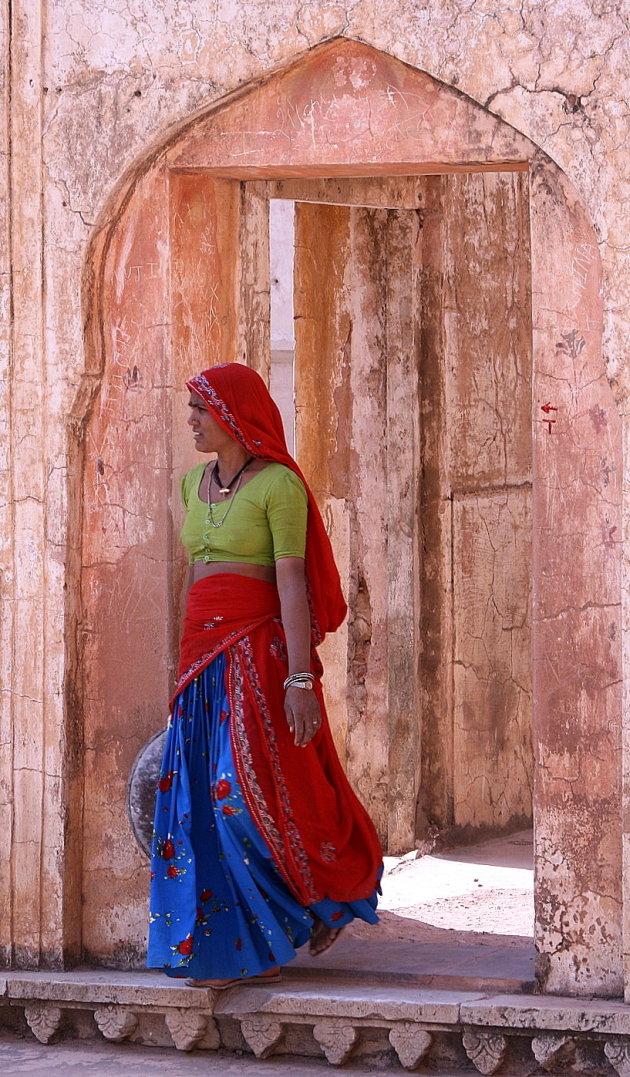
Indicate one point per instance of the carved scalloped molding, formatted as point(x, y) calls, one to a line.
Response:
point(43, 1020)
point(189, 1027)
point(486, 1050)
point(116, 1023)
point(552, 1050)
point(336, 1041)
point(261, 1034)
point(410, 1043)
point(618, 1054)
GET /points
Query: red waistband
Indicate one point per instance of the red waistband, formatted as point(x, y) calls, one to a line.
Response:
point(220, 610)
point(232, 596)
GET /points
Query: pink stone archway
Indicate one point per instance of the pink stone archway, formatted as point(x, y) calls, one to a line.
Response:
point(169, 281)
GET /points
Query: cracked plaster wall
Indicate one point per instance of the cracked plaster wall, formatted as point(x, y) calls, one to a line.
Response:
point(557, 73)
point(88, 87)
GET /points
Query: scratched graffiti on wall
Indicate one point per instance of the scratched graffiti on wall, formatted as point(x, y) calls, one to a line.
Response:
point(584, 257)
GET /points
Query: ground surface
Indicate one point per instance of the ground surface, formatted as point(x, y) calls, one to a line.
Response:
point(462, 916)
point(99, 1060)
point(487, 888)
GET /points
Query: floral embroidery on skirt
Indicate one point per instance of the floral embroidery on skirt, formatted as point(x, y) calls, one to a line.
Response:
point(219, 907)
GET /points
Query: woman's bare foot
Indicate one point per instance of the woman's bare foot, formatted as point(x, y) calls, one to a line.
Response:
point(271, 976)
point(322, 938)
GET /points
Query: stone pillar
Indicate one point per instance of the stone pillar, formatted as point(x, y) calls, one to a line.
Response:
point(7, 538)
point(356, 307)
point(487, 363)
point(40, 794)
point(368, 508)
point(625, 711)
point(476, 503)
point(183, 287)
point(323, 405)
point(254, 299)
point(126, 664)
point(576, 607)
point(403, 257)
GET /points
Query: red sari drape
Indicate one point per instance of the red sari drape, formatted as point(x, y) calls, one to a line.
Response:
point(238, 399)
point(320, 836)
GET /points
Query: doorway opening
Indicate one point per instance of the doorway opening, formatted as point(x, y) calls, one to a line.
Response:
point(412, 402)
point(407, 386)
point(281, 332)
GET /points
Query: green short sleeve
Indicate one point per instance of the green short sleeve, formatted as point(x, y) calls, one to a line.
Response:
point(287, 513)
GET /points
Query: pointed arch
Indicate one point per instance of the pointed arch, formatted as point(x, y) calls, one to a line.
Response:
point(176, 273)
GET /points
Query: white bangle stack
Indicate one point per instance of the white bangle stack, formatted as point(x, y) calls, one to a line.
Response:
point(299, 680)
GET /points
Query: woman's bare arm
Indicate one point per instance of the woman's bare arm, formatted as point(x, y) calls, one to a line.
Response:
point(301, 706)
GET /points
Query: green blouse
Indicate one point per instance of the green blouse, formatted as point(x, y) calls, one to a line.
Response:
point(263, 521)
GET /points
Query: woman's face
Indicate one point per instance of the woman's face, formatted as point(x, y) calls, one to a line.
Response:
point(208, 435)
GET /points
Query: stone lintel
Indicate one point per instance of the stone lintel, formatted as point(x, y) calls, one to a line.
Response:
point(100, 986)
point(359, 1003)
point(301, 997)
point(302, 1000)
point(549, 1012)
point(496, 1031)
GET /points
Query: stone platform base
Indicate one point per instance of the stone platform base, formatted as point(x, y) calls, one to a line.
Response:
point(392, 1025)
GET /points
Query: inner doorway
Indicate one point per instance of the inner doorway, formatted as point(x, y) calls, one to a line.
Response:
point(412, 382)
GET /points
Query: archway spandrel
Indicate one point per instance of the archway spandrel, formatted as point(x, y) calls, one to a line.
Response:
point(347, 109)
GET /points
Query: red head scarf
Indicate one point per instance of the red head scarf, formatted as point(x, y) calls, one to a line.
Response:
point(237, 397)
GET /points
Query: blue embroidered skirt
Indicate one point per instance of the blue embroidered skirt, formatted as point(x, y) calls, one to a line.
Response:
point(219, 907)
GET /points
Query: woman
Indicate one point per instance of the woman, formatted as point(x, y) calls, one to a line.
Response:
point(260, 844)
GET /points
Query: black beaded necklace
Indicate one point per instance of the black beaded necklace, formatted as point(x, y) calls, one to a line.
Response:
point(225, 489)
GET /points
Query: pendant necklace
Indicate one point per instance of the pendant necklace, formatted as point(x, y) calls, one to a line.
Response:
point(217, 478)
point(210, 520)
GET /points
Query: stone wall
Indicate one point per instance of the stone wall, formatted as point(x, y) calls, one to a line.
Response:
point(90, 99)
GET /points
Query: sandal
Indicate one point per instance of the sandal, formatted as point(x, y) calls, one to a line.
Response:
point(323, 937)
point(223, 985)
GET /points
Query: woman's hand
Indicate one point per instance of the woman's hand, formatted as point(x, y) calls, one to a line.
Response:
point(301, 707)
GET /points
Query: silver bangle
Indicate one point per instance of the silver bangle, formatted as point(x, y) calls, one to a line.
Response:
point(299, 680)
